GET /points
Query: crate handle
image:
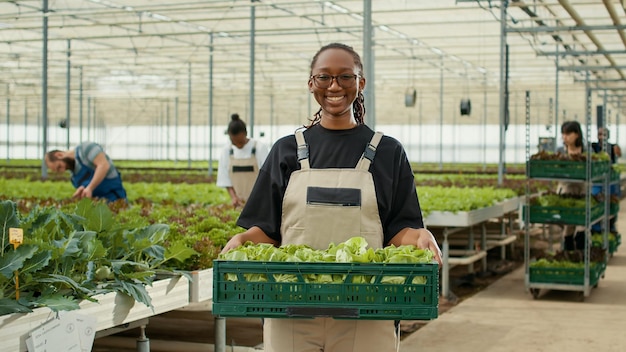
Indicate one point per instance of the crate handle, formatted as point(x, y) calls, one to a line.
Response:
point(322, 312)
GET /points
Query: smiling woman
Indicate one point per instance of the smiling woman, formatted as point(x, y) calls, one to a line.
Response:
point(333, 180)
point(336, 93)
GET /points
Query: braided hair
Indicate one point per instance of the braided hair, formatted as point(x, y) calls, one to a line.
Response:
point(358, 107)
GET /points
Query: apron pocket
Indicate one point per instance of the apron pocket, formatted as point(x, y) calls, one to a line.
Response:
point(332, 214)
point(332, 223)
point(243, 168)
point(343, 197)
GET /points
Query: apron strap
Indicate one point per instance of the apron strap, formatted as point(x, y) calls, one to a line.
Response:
point(253, 152)
point(369, 153)
point(303, 150)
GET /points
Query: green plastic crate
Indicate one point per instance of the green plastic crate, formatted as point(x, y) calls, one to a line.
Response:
point(613, 208)
point(566, 276)
point(615, 175)
point(562, 215)
point(614, 243)
point(343, 300)
point(566, 169)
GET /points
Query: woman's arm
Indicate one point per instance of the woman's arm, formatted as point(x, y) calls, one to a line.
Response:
point(617, 150)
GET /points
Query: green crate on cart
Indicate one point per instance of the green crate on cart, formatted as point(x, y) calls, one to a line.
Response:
point(357, 290)
point(562, 215)
point(614, 241)
point(615, 175)
point(566, 169)
point(613, 208)
point(566, 276)
point(612, 245)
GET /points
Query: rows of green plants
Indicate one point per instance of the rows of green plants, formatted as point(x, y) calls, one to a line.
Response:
point(197, 214)
point(202, 193)
point(75, 249)
point(129, 175)
point(515, 182)
point(458, 199)
point(166, 164)
point(173, 196)
point(489, 168)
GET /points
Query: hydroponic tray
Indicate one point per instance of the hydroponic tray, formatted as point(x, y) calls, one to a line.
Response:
point(358, 290)
point(112, 309)
point(201, 286)
point(463, 218)
point(510, 205)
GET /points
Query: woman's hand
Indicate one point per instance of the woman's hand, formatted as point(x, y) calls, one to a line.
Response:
point(233, 243)
point(426, 240)
point(253, 234)
point(79, 193)
point(422, 238)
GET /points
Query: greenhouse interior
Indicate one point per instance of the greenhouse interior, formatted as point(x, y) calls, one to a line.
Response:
point(151, 154)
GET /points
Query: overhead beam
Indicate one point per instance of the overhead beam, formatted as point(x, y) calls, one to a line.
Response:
point(590, 34)
point(566, 29)
point(599, 80)
point(581, 52)
point(591, 68)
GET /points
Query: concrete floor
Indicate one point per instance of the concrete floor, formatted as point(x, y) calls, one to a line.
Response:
point(506, 318)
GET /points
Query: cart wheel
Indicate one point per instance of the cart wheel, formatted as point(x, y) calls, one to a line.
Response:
point(581, 296)
point(534, 292)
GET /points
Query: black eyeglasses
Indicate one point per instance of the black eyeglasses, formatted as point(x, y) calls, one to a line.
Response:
point(323, 81)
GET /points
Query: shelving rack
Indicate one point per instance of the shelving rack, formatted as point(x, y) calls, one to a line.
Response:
point(452, 223)
point(554, 281)
point(606, 188)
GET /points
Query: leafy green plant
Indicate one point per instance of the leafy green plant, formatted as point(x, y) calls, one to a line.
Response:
point(76, 255)
point(551, 199)
point(456, 199)
point(353, 250)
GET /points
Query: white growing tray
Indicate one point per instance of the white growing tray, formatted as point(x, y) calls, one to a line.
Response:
point(112, 309)
point(201, 287)
point(510, 205)
point(463, 218)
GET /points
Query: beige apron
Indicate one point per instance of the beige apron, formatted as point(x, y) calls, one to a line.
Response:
point(243, 173)
point(323, 206)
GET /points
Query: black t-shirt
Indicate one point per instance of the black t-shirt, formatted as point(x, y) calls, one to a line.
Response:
point(398, 206)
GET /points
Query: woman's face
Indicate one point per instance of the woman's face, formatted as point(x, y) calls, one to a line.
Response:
point(569, 139)
point(336, 101)
point(239, 139)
